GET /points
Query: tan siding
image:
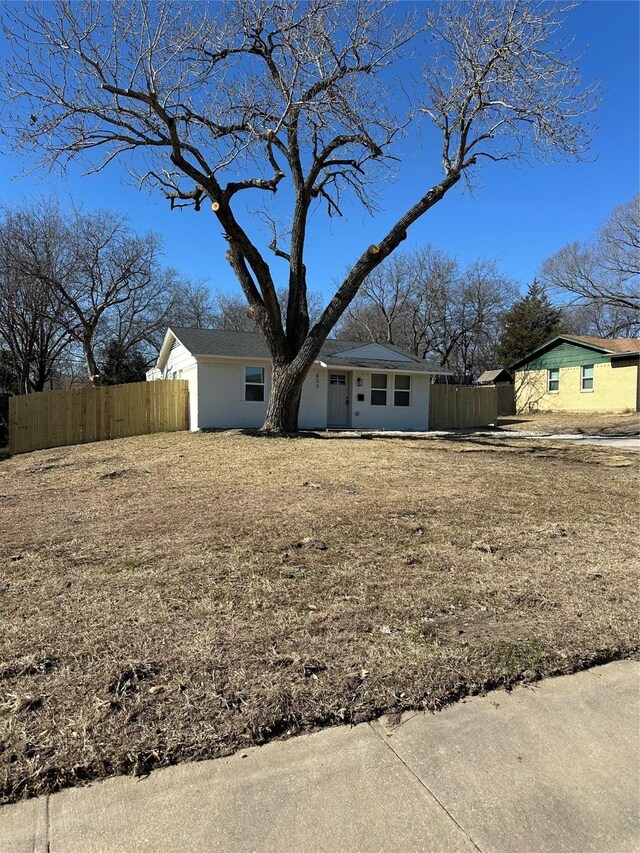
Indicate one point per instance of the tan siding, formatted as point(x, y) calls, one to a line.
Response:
point(614, 390)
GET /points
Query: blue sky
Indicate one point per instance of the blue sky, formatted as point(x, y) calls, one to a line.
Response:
point(519, 216)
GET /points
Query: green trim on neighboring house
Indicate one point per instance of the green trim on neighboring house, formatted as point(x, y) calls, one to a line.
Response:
point(564, 355)
point(555, 343)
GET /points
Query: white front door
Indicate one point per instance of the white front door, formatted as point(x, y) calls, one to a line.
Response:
point(338, 400)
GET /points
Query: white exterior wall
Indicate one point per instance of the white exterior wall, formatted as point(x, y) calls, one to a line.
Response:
point(179, 359)
point(216, 396)
point(412, 417)
point(313, 405)
point(221, 403)
point(191, 375)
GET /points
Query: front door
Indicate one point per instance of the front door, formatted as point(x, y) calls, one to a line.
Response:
point(338, 400)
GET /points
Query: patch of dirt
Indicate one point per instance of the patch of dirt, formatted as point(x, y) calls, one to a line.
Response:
point(123, 473)
point(28, 665)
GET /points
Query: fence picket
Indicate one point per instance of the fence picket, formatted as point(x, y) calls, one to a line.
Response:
point(462, 406)
point(58, 418)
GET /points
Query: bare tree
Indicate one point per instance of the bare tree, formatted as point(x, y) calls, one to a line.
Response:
point(600, 320)
point(196, 306)
point(425, 303)
point(79, 279)
point(116, 276)
point(233, 313)
point(33, 320)
point(604, 270)
point(483, 298)
point(382, 308)
point(192, 306)
point(244, 97)
point(138, 323)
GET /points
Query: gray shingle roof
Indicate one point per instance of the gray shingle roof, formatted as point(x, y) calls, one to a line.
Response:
point(224, 342)
point(492, 375)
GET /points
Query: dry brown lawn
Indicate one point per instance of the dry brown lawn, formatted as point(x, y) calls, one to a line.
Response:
point(176, 597)
point(584, 423)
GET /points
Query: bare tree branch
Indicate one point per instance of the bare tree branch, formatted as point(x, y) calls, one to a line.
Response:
point(605, 269)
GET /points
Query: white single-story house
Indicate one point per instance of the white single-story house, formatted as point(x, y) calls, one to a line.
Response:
point(350, 385)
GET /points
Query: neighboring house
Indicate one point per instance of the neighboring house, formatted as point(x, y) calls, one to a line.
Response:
point(575, 374)
point(494, 377)
point(350, 385)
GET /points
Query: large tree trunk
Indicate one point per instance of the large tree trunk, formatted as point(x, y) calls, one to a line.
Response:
point(284, 400)
point(93, 370)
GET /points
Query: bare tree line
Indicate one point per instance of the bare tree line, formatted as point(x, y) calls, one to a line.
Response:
point(81, 286)
point(77, 286)
point(73, 283)
point(425, 302)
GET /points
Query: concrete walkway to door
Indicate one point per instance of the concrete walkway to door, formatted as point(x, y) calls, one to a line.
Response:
point(554, 767)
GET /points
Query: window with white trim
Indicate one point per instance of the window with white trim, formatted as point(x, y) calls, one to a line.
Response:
point(254, 384)
point(553, 379)
point(378, 389)
point(402, 390)
point(586, 377)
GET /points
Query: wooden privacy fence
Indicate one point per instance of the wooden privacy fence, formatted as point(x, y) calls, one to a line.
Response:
point(56, 418)
point(462, 406)
point(506, 398)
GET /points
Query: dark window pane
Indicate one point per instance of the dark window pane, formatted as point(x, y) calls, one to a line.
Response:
point(403, 383)
point(401, 398)
point(254, 374)
point(379, 380)
point(378, 398)
point(254, 393)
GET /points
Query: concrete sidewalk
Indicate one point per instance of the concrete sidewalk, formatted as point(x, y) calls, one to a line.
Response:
point(619, 442)
point(549, 768)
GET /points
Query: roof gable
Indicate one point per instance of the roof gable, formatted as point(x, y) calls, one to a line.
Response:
point(500, 374)
point(375, 352)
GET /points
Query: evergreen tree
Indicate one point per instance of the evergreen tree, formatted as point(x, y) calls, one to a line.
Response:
point(122, 364)
point(531, 322)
